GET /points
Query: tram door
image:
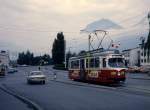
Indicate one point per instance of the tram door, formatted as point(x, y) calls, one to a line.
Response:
point(82, 69)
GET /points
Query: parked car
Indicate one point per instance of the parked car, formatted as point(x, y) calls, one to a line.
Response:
point(145, 69)
point(24, 65)
point(134, 69)
point(12, 70)
point(36, 77)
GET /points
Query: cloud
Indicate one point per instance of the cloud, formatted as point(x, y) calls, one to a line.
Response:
point(33, 24)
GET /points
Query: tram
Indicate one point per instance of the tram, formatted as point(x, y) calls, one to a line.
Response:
point(107, 66)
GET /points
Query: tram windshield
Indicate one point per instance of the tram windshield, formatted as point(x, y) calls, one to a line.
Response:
point(116, 62)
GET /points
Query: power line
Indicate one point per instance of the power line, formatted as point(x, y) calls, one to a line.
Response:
point(30, 30)
point(131, 18)
point(66, 32)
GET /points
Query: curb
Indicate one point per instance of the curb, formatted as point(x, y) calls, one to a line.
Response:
point(25, 100)
point(140, 78)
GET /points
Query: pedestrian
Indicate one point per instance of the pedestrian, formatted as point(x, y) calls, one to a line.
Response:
point(39, 68)
point(55, 76)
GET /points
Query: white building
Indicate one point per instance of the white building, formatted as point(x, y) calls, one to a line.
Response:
point(126, 54)
point(132, 56)
point(4, 58)
point(145, 61)
point(139, 56)
point(145, 53)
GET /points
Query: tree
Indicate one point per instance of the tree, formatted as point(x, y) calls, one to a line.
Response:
point(46, 58)
point(29, 59)
point(58, 50)
point(20, 59)
point(25, 58)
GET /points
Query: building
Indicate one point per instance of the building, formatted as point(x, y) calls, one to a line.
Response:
point(126, 54)
point(139, 56)
point(145, 57)
point(145, 49)
point(132, 56)
point(4, 58)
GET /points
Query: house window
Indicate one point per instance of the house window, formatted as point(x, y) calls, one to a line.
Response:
point(148, 59)
point(142, 54)
point(141, 60)
point(144, 60)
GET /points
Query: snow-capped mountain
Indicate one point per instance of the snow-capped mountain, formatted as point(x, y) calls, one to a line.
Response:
point(103, 24)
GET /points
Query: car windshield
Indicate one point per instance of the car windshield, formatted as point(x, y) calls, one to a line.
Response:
point(36, 73)
point(116, 62)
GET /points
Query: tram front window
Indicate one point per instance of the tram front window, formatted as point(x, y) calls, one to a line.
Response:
point(116, 62)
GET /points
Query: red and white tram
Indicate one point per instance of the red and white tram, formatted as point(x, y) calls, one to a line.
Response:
point(100, 67)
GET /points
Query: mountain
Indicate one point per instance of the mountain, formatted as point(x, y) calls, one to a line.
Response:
point(103, 24)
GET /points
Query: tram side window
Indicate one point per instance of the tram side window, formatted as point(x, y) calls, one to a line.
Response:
point(97, 62)
point(75, 64)
point(104, 62)
point(93, 63)
point(87, 65)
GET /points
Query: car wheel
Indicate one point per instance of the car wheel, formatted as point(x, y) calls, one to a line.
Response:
point(43, 82)
point(28, 82)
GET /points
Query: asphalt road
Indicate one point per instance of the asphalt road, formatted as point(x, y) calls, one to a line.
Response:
point(64, 94)
point(9, 102)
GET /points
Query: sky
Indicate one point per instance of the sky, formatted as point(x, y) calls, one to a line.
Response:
point(33, 24)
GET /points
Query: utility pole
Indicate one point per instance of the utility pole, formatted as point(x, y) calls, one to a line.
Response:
point(66, 57)
point(148, 39)
point(89, 43)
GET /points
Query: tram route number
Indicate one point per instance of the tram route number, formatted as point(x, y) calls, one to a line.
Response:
point(93, 74)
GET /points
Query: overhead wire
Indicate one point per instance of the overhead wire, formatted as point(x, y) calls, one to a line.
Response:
point(14, 28)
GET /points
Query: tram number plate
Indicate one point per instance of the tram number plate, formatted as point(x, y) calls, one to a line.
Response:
point(93, 74)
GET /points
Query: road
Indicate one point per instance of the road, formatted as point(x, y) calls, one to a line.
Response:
point(64, 94)
point(9, 102)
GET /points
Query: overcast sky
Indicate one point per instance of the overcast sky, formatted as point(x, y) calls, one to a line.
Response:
point(33, 24)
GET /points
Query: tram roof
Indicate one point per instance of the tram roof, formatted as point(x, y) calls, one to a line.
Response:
point(97, 53)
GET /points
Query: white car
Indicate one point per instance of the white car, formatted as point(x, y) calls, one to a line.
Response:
point(36, 77)
point(12, 70)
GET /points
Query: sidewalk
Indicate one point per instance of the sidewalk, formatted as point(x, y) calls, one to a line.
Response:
point(9, 102)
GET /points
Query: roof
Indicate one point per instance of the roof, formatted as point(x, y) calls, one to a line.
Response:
point(130, 49)
point(35, 71)
point(102, 53)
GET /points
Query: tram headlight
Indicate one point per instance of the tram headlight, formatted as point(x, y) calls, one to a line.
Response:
point(113, 73)
point(122, 73)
